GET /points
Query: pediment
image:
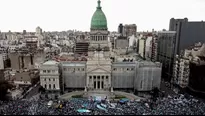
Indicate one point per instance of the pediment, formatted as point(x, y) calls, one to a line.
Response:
point(98, 70)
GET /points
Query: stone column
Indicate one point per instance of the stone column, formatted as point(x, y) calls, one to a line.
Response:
point(104, 82)
point(100, 83)
point(109, 78)
point(92, 82)
point(96, 81)
point(87, 84)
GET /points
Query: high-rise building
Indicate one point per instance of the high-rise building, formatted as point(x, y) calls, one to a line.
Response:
point(154, 48)
point(166, 51)
point(121, 29)
point(181, 66)
point(38, 31)
point(142, 46)
point(130, 30)
point(188, 33)
point(174, 24)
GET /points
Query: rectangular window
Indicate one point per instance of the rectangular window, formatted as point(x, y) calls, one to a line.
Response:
point(83, 69)
point(49, 79)
point(53, 71)
point(53, 79)
point(127, 69)
point(64, 69)
point(45, 86)
point(90, 77)
point(78, 69)
point(54, 86)
point(48, 71)
point(44, 71)
point(49, 86)
point(44, 79)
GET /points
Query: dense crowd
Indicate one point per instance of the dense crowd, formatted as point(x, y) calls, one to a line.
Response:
point(162, 106)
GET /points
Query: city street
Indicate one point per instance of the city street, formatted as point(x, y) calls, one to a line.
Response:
point(34, 91)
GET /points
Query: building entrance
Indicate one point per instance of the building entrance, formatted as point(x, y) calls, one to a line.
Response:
point(98, 84)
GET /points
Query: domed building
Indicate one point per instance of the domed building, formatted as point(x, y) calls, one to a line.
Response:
point(98, 30)
point(99, 20)
point(101, 71)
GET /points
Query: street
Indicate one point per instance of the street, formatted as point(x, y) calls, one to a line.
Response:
point(34, 91)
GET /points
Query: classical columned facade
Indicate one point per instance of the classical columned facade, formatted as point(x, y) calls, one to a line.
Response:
point(98, 71)
point(97, 80)
point(99, 37)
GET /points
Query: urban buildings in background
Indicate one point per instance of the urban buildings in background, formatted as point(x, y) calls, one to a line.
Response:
point(102, 60)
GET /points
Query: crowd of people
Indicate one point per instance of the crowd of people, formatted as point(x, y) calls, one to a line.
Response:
point(170, 105)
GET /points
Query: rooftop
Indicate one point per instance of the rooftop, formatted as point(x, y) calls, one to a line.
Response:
point(51, 62)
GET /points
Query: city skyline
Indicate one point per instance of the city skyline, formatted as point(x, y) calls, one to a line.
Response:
point(76, 14)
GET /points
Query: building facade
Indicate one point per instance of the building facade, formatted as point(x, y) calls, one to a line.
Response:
point(166, 51)
point(98, 70)
point(74, 73)
point(196, 78)
point(130, 30)
point(181, 71)
point(50, 76)
point(104, 69)
point(121, 43)
point(187, 32)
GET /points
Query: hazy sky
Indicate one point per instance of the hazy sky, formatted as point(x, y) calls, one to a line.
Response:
point(59, 15)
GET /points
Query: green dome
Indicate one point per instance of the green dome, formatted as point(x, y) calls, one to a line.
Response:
point(99, 21)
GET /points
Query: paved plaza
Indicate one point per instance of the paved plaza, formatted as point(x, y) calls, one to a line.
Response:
point(102, 94)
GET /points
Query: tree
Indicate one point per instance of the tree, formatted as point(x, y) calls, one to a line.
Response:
point(4, 86)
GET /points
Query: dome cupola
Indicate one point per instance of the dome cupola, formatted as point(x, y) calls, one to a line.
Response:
point(99, 21)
